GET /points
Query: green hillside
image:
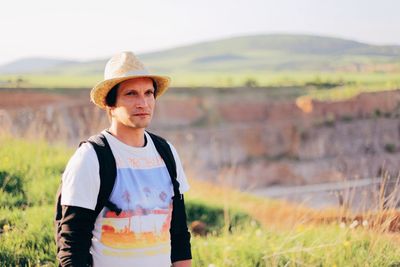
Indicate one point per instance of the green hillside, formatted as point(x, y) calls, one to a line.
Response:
point(271, 53)
point(240, 54)
point(264, 60)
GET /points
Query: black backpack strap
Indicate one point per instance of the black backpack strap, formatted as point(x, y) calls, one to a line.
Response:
point(166, 154)
point(180, 236)
point(107, 171)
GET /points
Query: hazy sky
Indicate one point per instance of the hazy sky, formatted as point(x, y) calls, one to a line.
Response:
point(88, 29)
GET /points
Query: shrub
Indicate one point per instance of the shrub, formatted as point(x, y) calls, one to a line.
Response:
point(390, 148)
point(214, 216)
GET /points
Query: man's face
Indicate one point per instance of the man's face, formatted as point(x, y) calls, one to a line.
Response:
point(135, 103)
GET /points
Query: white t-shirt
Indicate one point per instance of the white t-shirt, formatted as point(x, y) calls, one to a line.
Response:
point(139, 235)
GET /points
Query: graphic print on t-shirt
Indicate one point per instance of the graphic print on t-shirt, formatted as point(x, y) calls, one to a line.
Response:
point(144, 195)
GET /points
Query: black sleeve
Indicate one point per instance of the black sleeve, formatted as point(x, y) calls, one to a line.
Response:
point(76, 227)
point(180, 236)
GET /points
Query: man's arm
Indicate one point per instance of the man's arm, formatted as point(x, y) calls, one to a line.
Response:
point(75, 236)
point(180, 235)
point(80, 189)
point(185, 263)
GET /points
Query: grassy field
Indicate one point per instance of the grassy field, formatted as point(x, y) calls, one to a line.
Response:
point(221, 79)
point(321, 86)
point(243, 230)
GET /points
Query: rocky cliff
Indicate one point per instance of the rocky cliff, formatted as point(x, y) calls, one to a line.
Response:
point(241, 136)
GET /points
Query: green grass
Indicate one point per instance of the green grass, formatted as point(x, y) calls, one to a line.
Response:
point(330, 86)
point(31, 174)
point(28, 237)
point(36, 166)
point(218, 79)
point(50, 81)
point(310, 246)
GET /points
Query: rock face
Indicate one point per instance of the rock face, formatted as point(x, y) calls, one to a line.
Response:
point(239, 137)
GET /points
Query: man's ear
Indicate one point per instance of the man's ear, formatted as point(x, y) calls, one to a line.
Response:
point(110, 112)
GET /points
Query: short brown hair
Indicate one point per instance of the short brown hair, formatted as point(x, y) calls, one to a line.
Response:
point(111, 97)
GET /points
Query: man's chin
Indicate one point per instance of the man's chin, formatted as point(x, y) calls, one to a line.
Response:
point(139, 125)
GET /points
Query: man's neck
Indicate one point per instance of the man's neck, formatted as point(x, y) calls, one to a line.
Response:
point(130, 136)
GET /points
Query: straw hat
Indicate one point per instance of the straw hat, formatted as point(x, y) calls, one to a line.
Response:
point(122, 67)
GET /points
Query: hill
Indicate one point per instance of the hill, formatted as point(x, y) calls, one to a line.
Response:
point(28, 65)
point(276, 53)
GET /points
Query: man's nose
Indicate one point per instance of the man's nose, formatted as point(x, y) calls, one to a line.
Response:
point(141, 101)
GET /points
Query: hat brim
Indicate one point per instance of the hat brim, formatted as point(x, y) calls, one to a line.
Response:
point(99, 92)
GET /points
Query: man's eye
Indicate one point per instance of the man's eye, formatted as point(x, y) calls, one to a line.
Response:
point(150, 92)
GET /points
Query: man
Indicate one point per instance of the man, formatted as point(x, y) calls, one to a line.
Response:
point(139, 233)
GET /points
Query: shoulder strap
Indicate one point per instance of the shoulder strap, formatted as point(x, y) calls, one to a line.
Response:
point(180, 237)
point(166, 154)
point(107, 171)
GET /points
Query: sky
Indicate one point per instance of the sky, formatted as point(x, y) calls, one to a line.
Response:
point(88, 29)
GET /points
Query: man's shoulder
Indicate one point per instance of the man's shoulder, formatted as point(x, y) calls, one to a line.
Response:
point(84, 154)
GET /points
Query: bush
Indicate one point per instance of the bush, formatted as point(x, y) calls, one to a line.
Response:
point(213, 216)
point(251, 82)
point(11, 190)
point(390, 148)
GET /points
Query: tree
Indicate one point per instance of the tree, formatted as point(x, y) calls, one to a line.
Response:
point(251, 82)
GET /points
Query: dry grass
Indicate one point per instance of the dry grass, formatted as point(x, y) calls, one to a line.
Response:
point(278, 214)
